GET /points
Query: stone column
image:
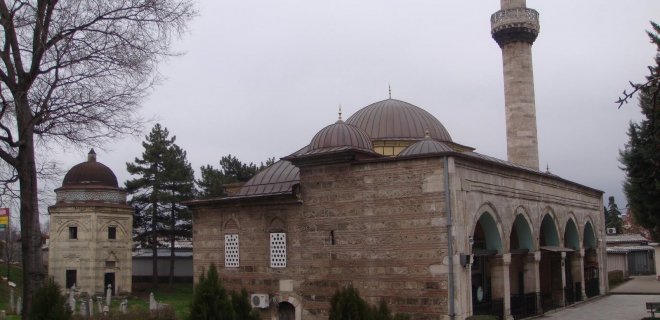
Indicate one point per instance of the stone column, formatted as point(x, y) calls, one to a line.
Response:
point(562, 301)
point(583, 293)
point(515, 28)
point(506, 263)
point(537, 281)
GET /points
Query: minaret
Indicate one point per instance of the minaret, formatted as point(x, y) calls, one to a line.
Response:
point(515, 28)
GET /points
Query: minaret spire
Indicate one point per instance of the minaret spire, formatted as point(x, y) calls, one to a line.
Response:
point(515, 28)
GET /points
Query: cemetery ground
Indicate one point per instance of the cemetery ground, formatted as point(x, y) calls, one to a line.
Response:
point(178, 296)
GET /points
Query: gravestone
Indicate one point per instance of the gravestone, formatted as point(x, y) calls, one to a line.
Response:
point(153, 305)
point(19, 306)
point(91, 307)
point(123, 307)
point(12, 303)
point(84, 309)
point(108, 295)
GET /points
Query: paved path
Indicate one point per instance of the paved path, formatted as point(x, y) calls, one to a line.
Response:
point(639, 285)
point(625, 302)
point(619, 307)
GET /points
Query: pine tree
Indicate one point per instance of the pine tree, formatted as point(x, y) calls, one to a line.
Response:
point(213, 182)
point(641, 156)
point(178, 186)
point(613, 217)
point(165, 178)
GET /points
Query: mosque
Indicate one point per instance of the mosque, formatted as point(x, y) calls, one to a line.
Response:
point(388, 202)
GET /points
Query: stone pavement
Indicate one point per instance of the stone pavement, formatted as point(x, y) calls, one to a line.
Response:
point(639, 285)
point(625, 302)
point(615, 307)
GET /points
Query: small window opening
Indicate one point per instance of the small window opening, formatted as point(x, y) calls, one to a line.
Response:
point(70, 278)
point(73, 232)
point(112, 232)
point(332, 236)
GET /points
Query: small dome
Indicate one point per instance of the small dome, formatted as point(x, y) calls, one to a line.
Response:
point(340, 134)
point(393, 119)
point(90, 173)
point(425, 146)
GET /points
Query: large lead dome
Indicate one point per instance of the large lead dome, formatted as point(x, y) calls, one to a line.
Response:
point(397, 120)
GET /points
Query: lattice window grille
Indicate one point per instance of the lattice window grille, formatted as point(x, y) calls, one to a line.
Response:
point(231, 251)
point(278, 250)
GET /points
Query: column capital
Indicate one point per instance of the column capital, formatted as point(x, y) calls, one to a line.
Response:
point(537, 256)
point(506, 258)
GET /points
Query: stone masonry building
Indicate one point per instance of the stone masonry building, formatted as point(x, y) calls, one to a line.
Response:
point(91, 231)
point(389, 203)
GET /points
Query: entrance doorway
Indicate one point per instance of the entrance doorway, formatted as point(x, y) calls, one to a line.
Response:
point(286, 311)
point(109, 279)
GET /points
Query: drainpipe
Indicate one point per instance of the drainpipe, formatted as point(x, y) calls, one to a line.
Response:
point(450, 238)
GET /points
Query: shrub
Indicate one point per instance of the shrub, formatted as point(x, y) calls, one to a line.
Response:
point(482, 317)
point(210, 299)
point(211, 302)
point(49, 303)
point(347, 304)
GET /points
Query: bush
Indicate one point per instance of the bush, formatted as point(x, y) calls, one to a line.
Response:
point(49, 303)
point(347, 304)
point(211, 302)
point(482, 317)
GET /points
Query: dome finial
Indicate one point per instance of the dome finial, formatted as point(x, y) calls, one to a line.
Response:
point(547, 168)
point(91, 156)
point(389, 87)
point(340, 112)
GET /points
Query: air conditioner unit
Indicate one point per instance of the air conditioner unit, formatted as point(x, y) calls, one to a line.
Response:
point(611, 230)
point(259, 300)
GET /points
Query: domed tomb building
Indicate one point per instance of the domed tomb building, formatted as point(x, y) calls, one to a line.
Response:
point(91, 231)
point(387, 202)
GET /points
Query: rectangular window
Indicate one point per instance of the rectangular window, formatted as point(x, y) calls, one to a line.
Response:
point(70, 278)
point(73, 232)
point(231, 251)
point(278, 250)
point(112, 232)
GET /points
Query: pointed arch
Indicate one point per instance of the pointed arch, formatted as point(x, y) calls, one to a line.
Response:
point(277, 225)
point(589, 236)
point(571, 235)
point(521, 234)
point(487, 230)
point(548, 231)
point(231, 224)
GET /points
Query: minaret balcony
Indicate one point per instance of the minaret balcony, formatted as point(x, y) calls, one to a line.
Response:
point(517, 24)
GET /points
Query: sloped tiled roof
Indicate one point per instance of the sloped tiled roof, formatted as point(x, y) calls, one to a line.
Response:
point(625, 238)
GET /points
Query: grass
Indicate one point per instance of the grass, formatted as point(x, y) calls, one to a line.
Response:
point(178, 296)
point(16, 276)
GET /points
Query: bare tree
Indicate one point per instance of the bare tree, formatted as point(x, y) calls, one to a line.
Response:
point(74, 72)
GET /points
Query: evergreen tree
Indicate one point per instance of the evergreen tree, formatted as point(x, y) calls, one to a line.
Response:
point(231, 170)
point(210, 301)
point(613, 216)
point(49, 303)
point(347, 304)
point(165, 178)
point(178, 186)
point(641, 156)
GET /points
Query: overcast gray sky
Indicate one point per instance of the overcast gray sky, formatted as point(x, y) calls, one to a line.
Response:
point(259, 78)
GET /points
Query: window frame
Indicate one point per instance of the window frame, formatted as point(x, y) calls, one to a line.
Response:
point(73, 232)
point(112, 235)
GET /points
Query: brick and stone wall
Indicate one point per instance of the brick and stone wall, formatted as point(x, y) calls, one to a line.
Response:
point(379, 226)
